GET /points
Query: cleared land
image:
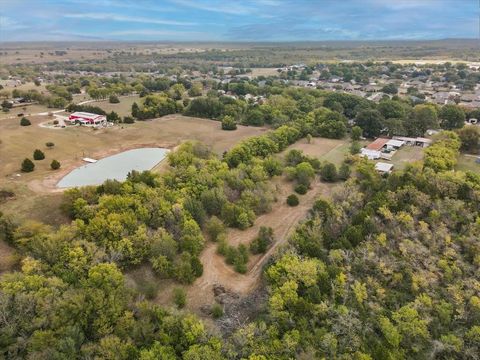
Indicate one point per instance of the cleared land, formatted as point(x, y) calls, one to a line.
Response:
point(333, 150)
point(35, 194)
point(123, 108)
point(263, 72)
point(468, 162)
point(406, 155)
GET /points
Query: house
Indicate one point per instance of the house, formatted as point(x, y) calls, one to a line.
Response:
point(383, 168)
point(418, 141)
point(394, 144)
point(370, 154)
point(378, 144)
point(85, 118)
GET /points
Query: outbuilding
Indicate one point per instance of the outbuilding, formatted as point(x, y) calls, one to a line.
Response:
point(384, 168)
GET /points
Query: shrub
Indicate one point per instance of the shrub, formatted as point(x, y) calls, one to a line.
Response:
point(228, 123)
point(55, 122)
point(128, 120)
point(55, 165)
point(113, 99)
point(179, 297)
point(214, 228)
point(328, 172)
point(344, 172)
point(38, 155)
point(25, 122)
point(49, 144)
point(292, 200)
point(28, 165)
point(301, 189)
point(217, 311)
point(260, 244)
point(355, 147)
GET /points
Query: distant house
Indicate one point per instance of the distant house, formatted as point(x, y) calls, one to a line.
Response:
point(383, 168)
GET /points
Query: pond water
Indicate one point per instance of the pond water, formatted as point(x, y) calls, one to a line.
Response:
point(113, 167)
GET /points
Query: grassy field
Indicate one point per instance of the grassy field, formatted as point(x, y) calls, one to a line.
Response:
point(35, 195)
point(467, 163)
point(333, 150)
point(26, 110)
point(264, 72)
point(123, 108)
point(405, 155)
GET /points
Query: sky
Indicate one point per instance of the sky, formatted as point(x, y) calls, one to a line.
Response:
point(236, 20)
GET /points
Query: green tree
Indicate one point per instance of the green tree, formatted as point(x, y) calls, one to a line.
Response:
point(328, 172)
point(113, 99)
point(55, 165)
point(390, 88)
point(38, 154)
point(451, 117)
point(356, 133)
point(228, 123)
point(470, 138)
point(292, 200)
point(25, 122)
point(371, 121)
point(179, 297)
point(304, 173)
point(27, 165)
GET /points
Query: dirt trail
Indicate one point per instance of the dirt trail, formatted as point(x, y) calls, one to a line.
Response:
point(282, 219)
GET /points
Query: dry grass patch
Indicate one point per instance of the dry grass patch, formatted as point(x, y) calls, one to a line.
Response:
point(34, 198)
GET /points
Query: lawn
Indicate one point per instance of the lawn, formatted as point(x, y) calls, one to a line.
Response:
point(333, 150)
point(123, 108)
point(26, 110)
point(406, 155)
point(467, 163)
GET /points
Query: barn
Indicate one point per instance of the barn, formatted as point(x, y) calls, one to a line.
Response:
point(85, 118)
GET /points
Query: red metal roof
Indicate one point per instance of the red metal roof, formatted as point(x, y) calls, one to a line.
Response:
point(377, 144)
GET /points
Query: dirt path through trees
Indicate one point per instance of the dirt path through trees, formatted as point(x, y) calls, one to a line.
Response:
point(282, 219)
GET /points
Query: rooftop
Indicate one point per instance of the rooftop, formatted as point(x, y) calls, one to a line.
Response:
point(377, 144)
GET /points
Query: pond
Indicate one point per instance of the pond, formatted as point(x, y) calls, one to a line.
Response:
point(113, 167)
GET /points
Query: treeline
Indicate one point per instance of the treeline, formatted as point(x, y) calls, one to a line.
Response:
point(275, 103)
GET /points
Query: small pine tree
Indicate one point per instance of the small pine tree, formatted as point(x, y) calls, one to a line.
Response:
point(38, 155)
point(28, 165)
point(25, 122)
point(292, 200)
point(55, 165)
